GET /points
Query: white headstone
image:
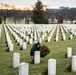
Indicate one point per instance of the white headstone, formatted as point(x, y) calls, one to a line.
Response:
point(11, 47)
point(21, 34)
point(31, 40)
point(31, 35)
point(9, 42)
point(38, 35)
point(20, 42)
point(16, 60)
point(40, 40)
point(69, 52)
point(43, 36)
point(52, 67)
point(35, 37)
point(64, 37)
point(24, 69)
point(56, 37)
point(27, 38)
point(24, 36)
point(48, 39)
point(74, 63)
point(37, 57)
point(71, 36)
point(16, 36)
point(18, 39)
point(24, 45)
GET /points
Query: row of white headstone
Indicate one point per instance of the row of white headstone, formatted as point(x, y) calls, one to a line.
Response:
point(44, 30)
point(16, 59)
point(25, 37)
point(36, 31)
point(18, 39)
point(9, 41)
point(69, 55)
point(30, 40)
point(24, 66)
point(67, 29)
point(63, 33)
point(51, 34)
point(72, 29)
point(57, 33)
point(63, 28)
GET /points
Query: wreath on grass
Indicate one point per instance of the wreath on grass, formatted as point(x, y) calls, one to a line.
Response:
point(44, 50)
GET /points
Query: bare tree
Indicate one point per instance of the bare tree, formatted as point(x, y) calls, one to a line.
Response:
point(69, 14)
point(5, 13)
point(27, 15)
point(50, 14)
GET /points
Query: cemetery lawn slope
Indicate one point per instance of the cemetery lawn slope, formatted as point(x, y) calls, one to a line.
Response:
point(57, 51)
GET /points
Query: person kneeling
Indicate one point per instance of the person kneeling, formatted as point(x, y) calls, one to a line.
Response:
point(34, 48)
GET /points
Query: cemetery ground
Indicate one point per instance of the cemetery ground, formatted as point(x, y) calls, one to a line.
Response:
point(57, 51)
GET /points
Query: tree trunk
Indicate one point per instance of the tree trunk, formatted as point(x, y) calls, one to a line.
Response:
point(25, 22)
point(71, 22)
point(5, 20)
point(15, 21)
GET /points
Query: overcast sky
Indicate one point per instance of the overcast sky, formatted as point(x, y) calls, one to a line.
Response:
point(51, 3)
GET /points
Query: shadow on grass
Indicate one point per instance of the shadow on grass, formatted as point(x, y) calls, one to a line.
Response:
point(66, 55)
point(6, 45)
point(21, 48)
point(46, 40)
point(45, 72)
point(7, 50)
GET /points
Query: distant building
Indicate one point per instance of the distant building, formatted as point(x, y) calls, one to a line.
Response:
point(62, 7)
point(73, 8)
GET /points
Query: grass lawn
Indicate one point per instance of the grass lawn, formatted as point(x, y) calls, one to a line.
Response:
point(57, 51)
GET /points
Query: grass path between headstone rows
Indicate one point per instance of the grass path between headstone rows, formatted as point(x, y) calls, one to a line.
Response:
point(57, 51)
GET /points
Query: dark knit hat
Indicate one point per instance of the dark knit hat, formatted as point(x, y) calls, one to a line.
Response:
point(37, 43)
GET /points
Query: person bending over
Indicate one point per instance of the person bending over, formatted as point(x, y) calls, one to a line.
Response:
point(34, 48)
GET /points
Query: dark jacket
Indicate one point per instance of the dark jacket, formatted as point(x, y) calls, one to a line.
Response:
point(34, 48)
